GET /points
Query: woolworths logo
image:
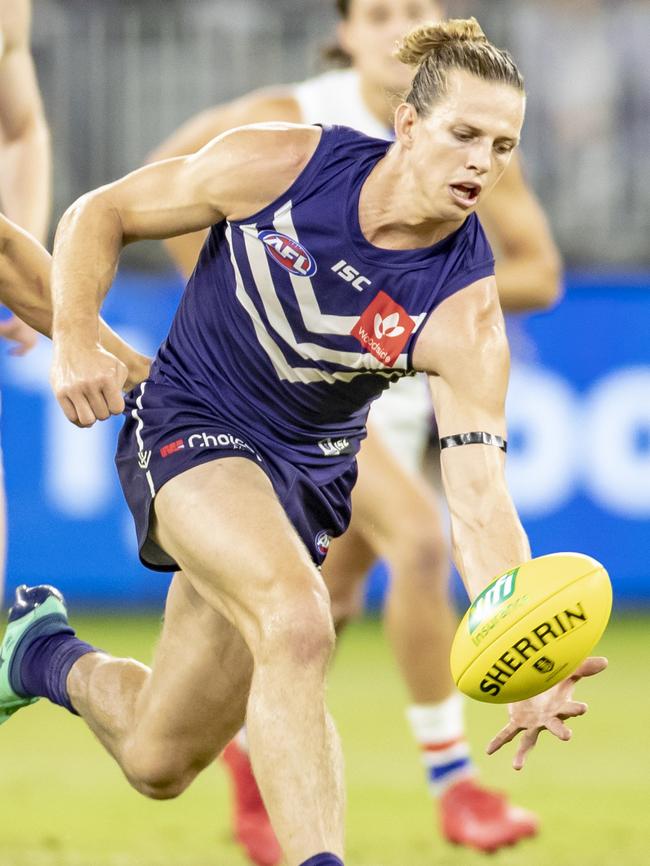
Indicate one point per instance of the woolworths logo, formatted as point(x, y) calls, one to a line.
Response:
point(487, 603)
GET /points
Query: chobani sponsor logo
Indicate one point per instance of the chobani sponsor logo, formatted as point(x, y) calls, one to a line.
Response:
point(486, 605)
point(564, 622)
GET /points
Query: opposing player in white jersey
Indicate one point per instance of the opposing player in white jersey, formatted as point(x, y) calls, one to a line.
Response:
point(404, 527)
point(24, 167)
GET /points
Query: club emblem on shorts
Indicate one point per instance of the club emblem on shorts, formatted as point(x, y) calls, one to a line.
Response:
point(143, 459)
point(288, 253)
point(544, 665)
point(323, 540)
point(384, 328)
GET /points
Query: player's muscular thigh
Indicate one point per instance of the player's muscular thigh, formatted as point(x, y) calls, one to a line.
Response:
point(224, 525)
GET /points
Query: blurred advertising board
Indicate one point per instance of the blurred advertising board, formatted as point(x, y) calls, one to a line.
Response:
point(578, 462)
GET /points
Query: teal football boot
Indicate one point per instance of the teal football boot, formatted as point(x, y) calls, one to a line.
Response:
point(37, 611)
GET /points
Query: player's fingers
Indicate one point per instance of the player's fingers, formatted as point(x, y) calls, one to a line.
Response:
point(570, 709)
point(589, 668)
point(69, 410)
point(85, 415)
point(113, 399)
point(559, 729)
point(527, 743)
point(504, 736)
point(98, 405)
point(23, 347)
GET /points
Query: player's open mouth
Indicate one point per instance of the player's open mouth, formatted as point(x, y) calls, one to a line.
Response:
point(465, 193)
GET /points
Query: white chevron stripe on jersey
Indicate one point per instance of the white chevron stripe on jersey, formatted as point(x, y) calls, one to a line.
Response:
point(316, 321)
point(263, 277)
point(280, 364)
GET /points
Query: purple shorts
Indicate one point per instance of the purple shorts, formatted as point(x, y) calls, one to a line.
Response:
point(167, 431)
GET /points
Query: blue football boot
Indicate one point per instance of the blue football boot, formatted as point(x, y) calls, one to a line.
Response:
point(36, 611)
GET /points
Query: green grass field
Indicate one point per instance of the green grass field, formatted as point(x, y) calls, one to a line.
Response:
point(63, 802)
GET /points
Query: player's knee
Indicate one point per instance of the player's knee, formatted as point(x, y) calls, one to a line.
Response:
point(156, 777)
point(300, 634)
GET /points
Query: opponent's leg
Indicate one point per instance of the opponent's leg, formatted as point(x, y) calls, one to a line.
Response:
point(226, 513)
point(251, 825)
point(405, 528)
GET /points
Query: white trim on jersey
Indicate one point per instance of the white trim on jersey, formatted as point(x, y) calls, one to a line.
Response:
point(312, 317)
point(260, 268)
point(314, 320)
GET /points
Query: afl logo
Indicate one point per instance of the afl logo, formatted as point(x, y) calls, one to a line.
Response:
point(288, 253)
point(323, 540)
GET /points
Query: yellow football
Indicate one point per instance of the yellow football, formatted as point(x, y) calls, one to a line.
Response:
point(531, 627)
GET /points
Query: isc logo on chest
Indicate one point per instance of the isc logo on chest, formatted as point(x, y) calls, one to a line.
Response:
point(288, 253)
point(351, 275)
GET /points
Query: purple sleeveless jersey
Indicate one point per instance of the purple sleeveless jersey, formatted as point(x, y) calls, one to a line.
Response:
point(291, 324)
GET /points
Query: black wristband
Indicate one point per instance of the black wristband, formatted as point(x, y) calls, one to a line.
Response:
point(475, 438)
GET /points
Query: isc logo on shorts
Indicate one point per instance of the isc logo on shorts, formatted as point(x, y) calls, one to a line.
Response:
point(288, 253)
point(384, 328)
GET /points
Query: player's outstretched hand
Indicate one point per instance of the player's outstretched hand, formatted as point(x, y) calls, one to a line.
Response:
point(87, 382)
point(547, 711)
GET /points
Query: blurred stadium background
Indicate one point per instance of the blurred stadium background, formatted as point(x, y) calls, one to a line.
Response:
point(118, 76)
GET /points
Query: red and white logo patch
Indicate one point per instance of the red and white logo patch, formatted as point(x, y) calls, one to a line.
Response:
point(384, 329)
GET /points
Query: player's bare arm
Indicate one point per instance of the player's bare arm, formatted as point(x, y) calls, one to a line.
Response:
point(232, 177)
point(464, 349)
point(25, 268)
point(25, 163)
point(269, 104)
point(529, 267)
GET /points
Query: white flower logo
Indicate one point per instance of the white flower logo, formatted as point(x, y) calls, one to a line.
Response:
point(388, 327)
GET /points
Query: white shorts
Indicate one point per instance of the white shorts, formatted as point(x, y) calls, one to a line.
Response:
point(402, 417)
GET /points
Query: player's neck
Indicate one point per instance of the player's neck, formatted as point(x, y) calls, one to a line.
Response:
point(392, 214)
point(375, 100)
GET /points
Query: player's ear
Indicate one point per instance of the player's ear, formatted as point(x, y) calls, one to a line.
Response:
point(406, 118)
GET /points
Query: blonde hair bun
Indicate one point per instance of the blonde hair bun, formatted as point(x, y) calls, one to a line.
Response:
point(427, 38)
